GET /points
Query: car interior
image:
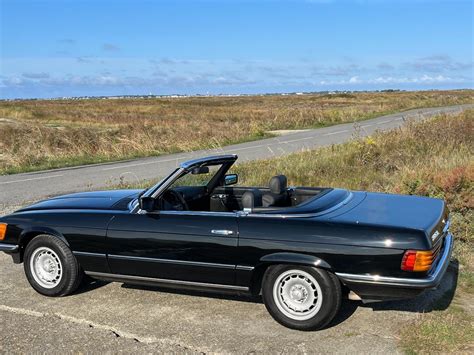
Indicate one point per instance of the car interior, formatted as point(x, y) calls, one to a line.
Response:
point(260, 199)
point(221, 195)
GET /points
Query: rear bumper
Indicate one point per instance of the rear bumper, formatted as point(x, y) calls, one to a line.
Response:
point(376, 287)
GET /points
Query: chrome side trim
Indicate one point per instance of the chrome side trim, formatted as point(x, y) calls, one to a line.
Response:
point(10, 248)
point(197, 213)
point(169, 261)
point(244, 268)
point(222, 232)
point(432, 280)
point(152, 280)
point(86, 253)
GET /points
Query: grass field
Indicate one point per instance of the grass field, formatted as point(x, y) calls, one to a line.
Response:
point(46, 134)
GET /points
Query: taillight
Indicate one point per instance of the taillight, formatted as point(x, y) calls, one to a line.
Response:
point(416, 260)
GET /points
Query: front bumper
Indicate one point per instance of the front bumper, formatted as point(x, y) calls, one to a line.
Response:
point(9, 248)
point(376, 287)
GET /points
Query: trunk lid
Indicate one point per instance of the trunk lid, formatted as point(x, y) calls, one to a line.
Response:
point(425, 214)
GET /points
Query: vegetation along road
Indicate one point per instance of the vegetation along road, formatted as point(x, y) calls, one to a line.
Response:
point(19, 188)
point(45, 134)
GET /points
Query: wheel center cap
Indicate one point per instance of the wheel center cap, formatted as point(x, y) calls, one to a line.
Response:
point(298, 293)
point(48, 266)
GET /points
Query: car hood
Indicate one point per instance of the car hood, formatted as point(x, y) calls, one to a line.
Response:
point(112, 199)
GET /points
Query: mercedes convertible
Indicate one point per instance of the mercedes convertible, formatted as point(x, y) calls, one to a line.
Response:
point(301, 248)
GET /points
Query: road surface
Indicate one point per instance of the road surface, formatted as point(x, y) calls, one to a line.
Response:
point(21, 188)
point(113, 317)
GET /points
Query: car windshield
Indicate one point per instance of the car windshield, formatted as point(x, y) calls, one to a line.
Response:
point(197, 179)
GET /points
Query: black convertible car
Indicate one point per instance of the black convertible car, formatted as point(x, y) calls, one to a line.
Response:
point(301, 248)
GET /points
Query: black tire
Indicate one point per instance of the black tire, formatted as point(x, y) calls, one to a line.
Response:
point(58, 257)
point(301, 308)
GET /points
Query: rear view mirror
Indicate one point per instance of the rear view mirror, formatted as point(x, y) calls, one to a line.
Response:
point(200, 170)
point(231, 179)
point(147, 203)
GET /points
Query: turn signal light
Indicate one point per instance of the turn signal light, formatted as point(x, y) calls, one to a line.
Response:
point(3, 230)
point(416, 260)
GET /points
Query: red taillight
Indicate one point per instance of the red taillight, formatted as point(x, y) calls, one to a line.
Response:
point(417, 260)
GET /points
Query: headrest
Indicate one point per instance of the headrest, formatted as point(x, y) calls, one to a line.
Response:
point(277, 184)
point(252, 198)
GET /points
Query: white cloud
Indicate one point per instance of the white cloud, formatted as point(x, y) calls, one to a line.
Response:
point(427, 79)
point(354, 80)
point(424, 79)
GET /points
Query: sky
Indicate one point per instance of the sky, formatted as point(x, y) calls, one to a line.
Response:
point(58, 48)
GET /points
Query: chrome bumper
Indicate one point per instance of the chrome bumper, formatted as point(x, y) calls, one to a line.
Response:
point(432, 280)
point(9, 248)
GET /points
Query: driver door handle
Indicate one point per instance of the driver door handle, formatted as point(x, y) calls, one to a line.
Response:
point(223, 232)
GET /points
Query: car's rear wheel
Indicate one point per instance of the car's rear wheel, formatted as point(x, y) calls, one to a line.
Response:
point(50, 266)
point(301, 297)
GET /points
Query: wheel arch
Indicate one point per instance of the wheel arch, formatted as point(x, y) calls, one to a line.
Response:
point(29, 233)
point(287, 258)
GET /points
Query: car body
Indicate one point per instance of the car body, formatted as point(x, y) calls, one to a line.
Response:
point(218, 236)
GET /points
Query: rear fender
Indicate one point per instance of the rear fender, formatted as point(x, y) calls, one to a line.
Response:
point(295, 258)
point(282, 258)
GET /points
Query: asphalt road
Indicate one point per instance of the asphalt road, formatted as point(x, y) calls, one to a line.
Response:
point(21, 188)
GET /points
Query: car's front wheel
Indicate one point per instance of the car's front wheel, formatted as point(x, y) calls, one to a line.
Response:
point(301, 297)
point(50, 266)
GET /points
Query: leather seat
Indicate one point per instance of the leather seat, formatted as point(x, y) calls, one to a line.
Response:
point(278, 195)
point(252, 198)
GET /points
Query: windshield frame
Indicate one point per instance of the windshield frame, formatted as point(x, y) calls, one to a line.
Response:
point(160, 187)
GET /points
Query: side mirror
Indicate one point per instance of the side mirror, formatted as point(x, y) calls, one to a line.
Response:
point(200, 170)
point(231, 179)
point(147, 203)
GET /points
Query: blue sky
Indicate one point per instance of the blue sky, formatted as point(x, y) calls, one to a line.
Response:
point(60, 48)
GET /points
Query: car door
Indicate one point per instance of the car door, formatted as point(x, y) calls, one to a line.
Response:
point(178, 245)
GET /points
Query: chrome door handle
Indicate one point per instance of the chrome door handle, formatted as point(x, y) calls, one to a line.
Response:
point(224, 232)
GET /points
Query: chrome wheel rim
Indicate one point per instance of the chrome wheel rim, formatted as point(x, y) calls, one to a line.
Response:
point(297, 294)
point(46, 267)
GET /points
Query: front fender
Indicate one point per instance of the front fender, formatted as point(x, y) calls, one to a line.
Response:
point(28, 234)
point(295, 258)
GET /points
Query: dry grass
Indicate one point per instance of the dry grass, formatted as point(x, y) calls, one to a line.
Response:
point(45, 134)
point(440, 332)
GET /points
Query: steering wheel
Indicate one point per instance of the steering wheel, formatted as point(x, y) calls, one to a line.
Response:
point(176, 200)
